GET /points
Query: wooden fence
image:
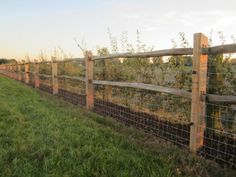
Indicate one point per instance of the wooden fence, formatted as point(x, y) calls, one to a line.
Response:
point(198, 97)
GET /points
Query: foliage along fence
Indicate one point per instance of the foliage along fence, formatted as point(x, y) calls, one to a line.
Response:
point(191, 114)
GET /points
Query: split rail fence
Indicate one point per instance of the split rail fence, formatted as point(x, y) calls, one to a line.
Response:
point(195, 133)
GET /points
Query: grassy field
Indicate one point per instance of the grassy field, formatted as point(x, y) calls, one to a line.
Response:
point(41, 135)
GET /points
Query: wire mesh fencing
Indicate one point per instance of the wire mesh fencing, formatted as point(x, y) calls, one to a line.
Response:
point(71, 87)
point(45, 77)
point(22, 73)
point(72, 91)
point(31, 79)
point(159, 114)
point(220, 132)
point(45, 84)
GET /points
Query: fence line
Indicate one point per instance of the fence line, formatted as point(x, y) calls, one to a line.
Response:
point(192, 134)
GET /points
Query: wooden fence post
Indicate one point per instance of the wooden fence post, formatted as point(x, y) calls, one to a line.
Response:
point(15, 71)
point(6, 70)
point(12, 72)
point(89, 81)
point(54, 77)
point(10, 69)
point(19, 71)
point(199, 82)
point(26, 73)
point(36, 74)
point(108, 88)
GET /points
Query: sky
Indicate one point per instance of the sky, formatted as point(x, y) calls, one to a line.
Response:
point(28, 27)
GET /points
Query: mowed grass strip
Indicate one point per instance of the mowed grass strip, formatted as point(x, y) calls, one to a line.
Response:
point(43, 136)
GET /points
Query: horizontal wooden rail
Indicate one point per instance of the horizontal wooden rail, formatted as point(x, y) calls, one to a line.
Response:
point(72, 77)
point(71, 60)
point(221, 98)
point(45, 62)
point(45, 75)
point(151, 87)
point(221, 49)
point(158, 53)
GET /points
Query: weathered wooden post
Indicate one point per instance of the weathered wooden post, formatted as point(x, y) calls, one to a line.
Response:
point(108, 88)
point(19, 71)
point(6, 72)
point(36, 74)
point(199, 82)
point(15, 71)
point(54, 76)
point(10, 69)
point(26, 72)
point(12, 72)
point(6, 69)
point(89, 80)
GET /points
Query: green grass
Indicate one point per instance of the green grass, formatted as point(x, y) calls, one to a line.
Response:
point(41, 135)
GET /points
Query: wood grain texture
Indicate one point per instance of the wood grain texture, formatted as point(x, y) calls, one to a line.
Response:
point(151, 87)
point(158, 53)
point(89, 81)
point(221, 98)
point(83, 79)
point(199, 81)
point(26, 73)
point(36, 74)
point(221, 49)
point(54, 78)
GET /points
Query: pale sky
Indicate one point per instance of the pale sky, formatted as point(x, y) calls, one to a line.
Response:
point(30, 26)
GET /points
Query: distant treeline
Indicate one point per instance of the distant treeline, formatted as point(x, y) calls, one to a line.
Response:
point(4, 61)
